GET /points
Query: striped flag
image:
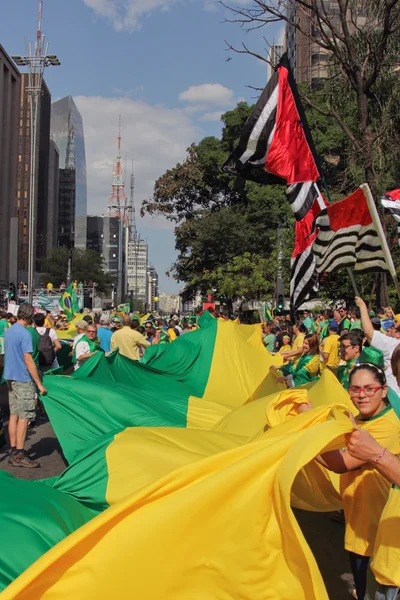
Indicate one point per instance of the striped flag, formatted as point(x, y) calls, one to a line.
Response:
point(276, 147)
point(391, 203)
point(348, 236)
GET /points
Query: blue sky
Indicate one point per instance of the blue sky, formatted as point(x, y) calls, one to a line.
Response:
point(161, 64)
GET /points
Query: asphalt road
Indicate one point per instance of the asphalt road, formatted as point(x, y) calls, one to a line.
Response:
point(324, 536)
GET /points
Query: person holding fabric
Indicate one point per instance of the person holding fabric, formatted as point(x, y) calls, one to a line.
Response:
point(128, 339)
point(350, 350)
point(86, 347)
point(364, 491)
point(294, 355)
point(384, 343)
point(307, 368)
point(330, 348)
point(286, 347)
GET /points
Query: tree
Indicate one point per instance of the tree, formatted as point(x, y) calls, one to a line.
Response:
point(87, 265)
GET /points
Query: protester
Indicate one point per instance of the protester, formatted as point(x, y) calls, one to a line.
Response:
point(350, 350)
point(322, 330)
point(379, 340)
point(344, 322)
point(151, 334)
point(330, 348)
point(104, 333)
point(307, 368)
point(308, 321)
point(128, 339)
point(173, 333)
point(49, 344)
point(297, 346)
point(185, 328)
point(364, 492)
point(21, 375)
point(286, 347)
point(355, 318)
point(269, 337)
point(86, 347)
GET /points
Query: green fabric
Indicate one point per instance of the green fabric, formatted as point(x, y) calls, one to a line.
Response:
point(394, 401)
point(33, 519)
point(343, 373)
point(356, 325)
point(69, 303)
point(300, 373)
point(35, 345)
point(3, 327)
point(93, 346)
point(63, 355)
point(324, 329)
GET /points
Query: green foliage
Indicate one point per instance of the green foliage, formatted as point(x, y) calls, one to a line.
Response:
point(87, 265)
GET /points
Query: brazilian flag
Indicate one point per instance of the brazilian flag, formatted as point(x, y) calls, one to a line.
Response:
point(124, 308)
point(267, 314)
point(69, 303)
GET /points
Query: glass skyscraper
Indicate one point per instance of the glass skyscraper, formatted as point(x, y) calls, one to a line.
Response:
point(67, 133)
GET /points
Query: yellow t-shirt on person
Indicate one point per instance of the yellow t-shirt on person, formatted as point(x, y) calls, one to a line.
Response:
point(386, 557)
point(128, 341)
point(285, 348)
point(172, 334)
point(331, 347)
point(297, 344)
point(365, 491)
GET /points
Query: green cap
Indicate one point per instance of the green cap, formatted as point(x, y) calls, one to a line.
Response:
point(372, 356)
point(372, 313)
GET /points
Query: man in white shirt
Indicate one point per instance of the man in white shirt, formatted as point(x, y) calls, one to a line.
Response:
point(383, 342)
point(84, 347)
point(81, 327)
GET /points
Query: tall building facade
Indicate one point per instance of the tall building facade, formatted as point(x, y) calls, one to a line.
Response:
point(152, 288)
point(103, 236)
point(274, 56)
point(138, 252)
point(170, 303)
point(310, 62)
point(46, 194)
point(68, 134)
point(10, 82)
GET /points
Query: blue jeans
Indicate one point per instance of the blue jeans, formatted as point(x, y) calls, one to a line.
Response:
point(384, 592)
point(359, 568)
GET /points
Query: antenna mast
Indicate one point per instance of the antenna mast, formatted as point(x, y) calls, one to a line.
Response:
point(132, 211)
point(117, 202)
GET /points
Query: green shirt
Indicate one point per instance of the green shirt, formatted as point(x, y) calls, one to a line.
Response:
point(356, 325)
point(35, 345)
point(269, 341)
point(3, 327)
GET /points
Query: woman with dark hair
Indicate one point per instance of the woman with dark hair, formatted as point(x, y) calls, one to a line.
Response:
point(363, 489)
point(307, 367)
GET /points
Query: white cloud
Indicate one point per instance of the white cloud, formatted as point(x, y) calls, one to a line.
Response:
point(128, 14)
point(156, 138)
point(212, 116)
point(208, 93)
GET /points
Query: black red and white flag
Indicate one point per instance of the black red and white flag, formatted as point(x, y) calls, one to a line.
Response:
point(276, 147)
point(391, 203)
point(348, 236)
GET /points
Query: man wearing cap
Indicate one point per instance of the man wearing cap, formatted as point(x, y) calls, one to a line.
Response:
point(81, 327)
point(383, 342)
point(86, 347)
point(104, 333)
point(330, 348)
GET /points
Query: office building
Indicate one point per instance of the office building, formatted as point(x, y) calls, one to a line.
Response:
point(274, 56)
point(310, 62)
point(169, 303)
point(45, 195)
point(152, 288)
point(10, 82)
point(102, 236)
point(138, 252)
point(53, 195)
point(67, 132)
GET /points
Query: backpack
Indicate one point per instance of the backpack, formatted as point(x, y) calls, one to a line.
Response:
point(46, 350)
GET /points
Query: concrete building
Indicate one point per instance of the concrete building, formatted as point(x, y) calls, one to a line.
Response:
point(67, 132)
point(102, 236)
point(170, 303)
point(137, 262)
point(274, 55)
point(152, 288)
point(310, 62)
point(10, 83)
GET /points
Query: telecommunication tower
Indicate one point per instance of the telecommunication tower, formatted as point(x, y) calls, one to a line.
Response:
point(132, 211)
point(117, 203)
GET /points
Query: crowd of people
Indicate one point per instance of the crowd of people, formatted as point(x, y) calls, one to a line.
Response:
point(360, 348)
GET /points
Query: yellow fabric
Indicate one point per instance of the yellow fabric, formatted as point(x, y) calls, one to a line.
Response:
point(397, 318)
point(386, 558)
point(172, 334)
point(71, 332)
point(203, 414)
point(365, 491)
point(285, 348)
point(297, 344)
point(313, 366)
point(144, 318)
point(218, 528)
point(128, 341)
point(331, 347)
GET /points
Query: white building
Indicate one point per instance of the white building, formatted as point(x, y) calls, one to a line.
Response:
point(169, 303)
point(152, 289)
point(137, 270)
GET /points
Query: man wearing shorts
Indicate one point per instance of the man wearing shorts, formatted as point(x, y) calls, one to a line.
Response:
point(21, 375)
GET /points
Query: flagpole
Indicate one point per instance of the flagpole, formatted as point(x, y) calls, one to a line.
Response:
point(381, 234)
point(353, 281)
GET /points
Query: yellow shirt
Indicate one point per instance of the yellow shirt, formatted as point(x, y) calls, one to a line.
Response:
point(365, 491)
point(172, 335)
point(386, 558)
point(128, 341)
point(297, 344)
point(285, 348)
point(331, 347)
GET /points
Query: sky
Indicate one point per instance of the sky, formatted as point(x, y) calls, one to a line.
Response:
point(160, 64)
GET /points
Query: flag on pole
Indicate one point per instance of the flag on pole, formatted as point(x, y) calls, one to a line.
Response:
point(391, 203)
point(276, 147)
point(124, 308)
point(350, 234)
point(69, 302)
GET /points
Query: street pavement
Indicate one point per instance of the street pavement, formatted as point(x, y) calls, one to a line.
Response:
point(324, 536)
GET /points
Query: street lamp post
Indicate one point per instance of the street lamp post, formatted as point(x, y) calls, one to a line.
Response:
point(36, 62)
